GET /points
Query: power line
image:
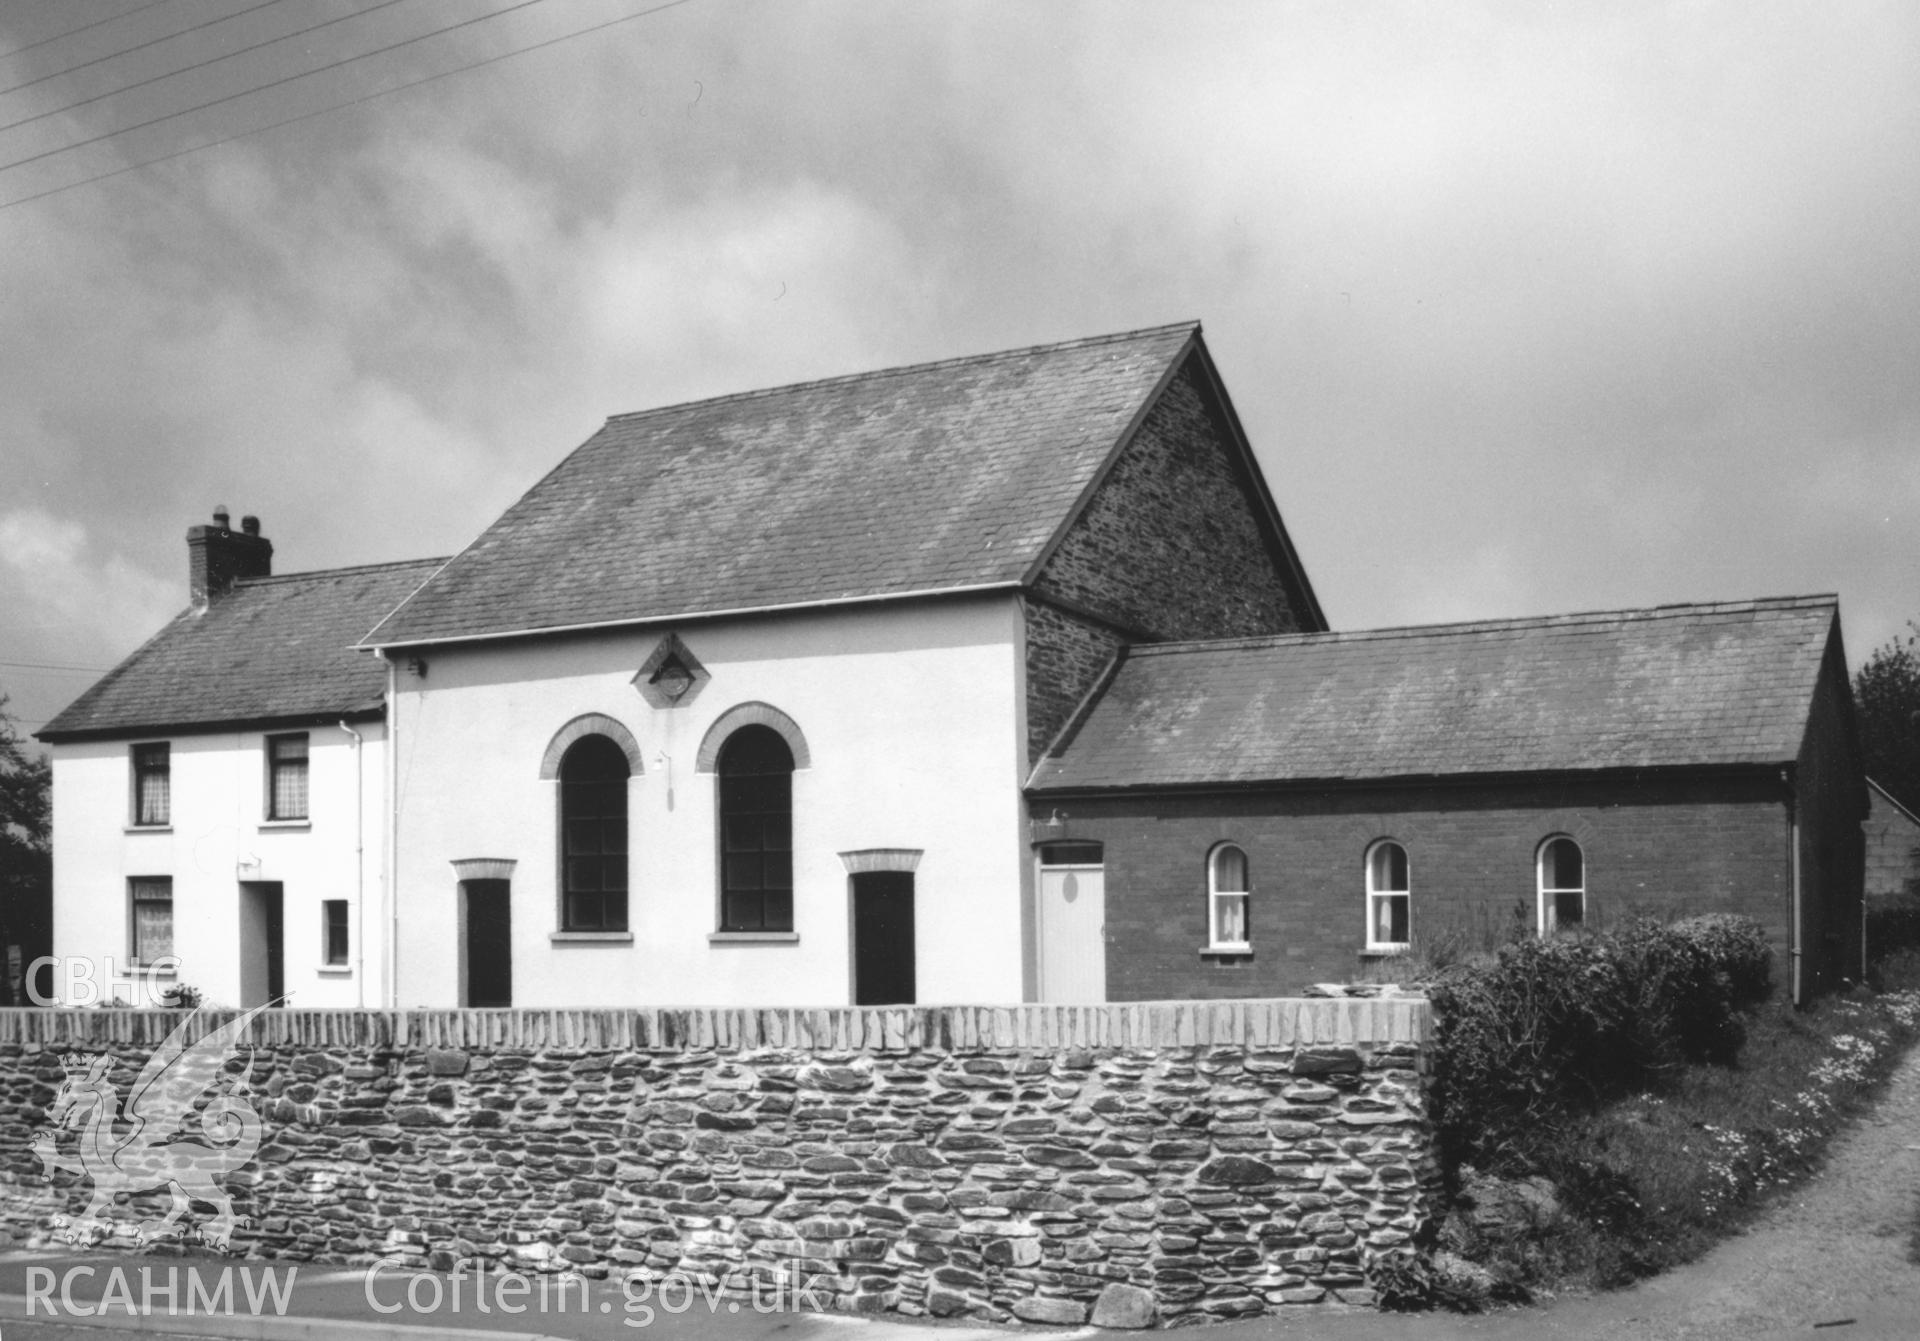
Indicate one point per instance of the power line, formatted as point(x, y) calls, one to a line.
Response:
point(337, 107)
point(185, 69)
point(116, 55)
point(273, 83)
point(53, 666)
point(115, 18)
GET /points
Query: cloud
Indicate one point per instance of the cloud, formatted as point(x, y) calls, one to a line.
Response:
point(55, 572)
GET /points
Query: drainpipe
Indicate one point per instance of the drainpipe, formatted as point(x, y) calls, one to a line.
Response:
point(390, 969)
point(1793, 877)
point(359, 866)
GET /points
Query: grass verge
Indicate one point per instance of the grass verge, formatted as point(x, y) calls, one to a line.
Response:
point(1598, 1187)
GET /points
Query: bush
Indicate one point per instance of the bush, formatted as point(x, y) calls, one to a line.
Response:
point(1550, 1029)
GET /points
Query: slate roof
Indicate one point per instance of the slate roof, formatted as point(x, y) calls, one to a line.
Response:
point(271, 649)
point(1689, 685)
point(930, 478)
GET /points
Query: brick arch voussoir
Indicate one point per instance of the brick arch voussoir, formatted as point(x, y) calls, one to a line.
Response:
point(750, 714)
point(590, 724)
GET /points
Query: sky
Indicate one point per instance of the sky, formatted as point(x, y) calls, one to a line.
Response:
point(1525, 307)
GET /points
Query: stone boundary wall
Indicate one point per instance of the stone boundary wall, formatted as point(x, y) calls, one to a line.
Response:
point(1158, 1160)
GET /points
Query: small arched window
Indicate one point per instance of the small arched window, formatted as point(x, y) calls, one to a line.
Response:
point(756, 831)
point(1229, 888)
point(1389, 899)
point(1563, 885)
point(593, 836)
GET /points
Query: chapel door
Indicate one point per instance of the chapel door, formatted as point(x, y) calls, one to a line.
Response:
point(883, 950)
point(489, 943)
point(1073, 923)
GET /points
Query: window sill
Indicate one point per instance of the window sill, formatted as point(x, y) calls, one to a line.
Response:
point(335, 970)
point(1385, 951)
point(149, 828)
point(590, 937)
point(753, 938)
point(142, 969)
point(287, 824)
point(1226, 952)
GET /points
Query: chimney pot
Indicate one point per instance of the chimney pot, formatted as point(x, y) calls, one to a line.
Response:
point(251, 525)
point(220, 515)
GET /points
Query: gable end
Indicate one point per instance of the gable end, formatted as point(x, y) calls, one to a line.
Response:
point(1177, 539)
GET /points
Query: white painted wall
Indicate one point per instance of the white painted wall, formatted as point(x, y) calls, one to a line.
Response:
point(914, 718)
point(218, 838)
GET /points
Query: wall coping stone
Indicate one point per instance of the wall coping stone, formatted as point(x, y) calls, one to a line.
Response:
point(1272, 1023)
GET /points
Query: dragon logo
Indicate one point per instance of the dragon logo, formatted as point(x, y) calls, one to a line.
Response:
point(145, 1148)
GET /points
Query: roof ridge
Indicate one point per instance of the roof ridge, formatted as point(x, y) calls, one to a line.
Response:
point(334, 572)
point(872, 374)
point(1670, 611)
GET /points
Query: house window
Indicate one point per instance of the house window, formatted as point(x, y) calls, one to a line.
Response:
point(1563, 885)
point(333, 932)
point(287, 777)
point(151, 897)
point(1228, 888)
point(1388, 898)
point(593, 836)
point(153, 784)
point(756, 831)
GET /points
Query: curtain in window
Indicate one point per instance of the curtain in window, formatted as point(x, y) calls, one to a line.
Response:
point(152, 919)
point(289, 800)
point(152, 798)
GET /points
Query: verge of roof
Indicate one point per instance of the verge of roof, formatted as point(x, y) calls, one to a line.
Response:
point(1192, 328)
point(1644, 613)
point(1893, 801)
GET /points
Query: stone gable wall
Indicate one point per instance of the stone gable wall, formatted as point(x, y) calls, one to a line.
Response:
point(1030, 1162)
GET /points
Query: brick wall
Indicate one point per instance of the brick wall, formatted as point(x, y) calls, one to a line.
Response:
point(1660, 848)
point(1193, 1161)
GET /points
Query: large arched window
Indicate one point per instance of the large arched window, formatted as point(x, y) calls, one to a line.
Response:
point(756, 831)
point(1229, 889)
point(1389, 898)
point(593, 836)
point(1563, 885)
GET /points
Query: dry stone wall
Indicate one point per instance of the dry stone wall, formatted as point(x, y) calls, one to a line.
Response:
point(1155, 1161)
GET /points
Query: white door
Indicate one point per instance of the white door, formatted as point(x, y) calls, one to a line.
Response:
point(1073, 923)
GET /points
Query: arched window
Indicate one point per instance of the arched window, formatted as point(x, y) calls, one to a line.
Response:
point(756, 831)
point(593, 836)
point(1228, 890)
point(1563, 885)
point(1389, 900)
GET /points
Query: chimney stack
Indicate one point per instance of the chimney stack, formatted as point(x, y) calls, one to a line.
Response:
point(218, 556)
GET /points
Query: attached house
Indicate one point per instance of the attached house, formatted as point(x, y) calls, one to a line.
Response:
point(822, 694)
point(218, 797)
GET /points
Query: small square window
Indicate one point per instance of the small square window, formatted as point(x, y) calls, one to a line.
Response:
point(333, 931)
point(151, 897)
point(153, 785)
point(287, 777)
